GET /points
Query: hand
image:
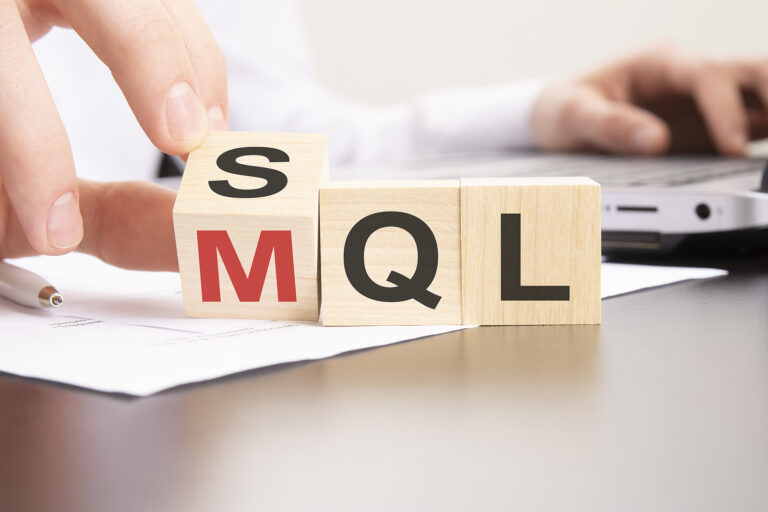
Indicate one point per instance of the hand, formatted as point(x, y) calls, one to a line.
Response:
point(162, 56)
point(663, 99)
point(127, 224)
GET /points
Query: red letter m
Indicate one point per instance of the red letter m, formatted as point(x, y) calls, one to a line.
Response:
point(248, 287)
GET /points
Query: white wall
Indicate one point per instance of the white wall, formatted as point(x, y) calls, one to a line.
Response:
point(388, 50)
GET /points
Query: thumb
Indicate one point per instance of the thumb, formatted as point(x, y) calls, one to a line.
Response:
point(619, 127)
point(124, 235)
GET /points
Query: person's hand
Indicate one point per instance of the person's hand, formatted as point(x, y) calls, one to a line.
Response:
point(163, 57)
point(663, 99)
point(127, 224)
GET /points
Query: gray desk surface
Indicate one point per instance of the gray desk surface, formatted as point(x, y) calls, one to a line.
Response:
point(663, 407)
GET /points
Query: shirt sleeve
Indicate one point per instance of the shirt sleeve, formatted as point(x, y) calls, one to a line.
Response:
point(272, 88)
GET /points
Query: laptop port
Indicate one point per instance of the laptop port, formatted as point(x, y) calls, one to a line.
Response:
point(703, 211)
point(640, 209)
point(630, 240)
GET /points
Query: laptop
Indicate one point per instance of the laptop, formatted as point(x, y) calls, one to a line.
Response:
point(699, 205)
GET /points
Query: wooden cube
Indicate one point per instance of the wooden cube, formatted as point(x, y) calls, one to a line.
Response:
point(530, 251)
point(246, 226)
point(390, 253)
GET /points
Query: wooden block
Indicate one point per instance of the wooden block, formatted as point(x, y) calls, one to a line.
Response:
point(246, 226)
point(546, 231)
point(390, 253)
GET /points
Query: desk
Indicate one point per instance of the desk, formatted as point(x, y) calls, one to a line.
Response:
point(662, 408)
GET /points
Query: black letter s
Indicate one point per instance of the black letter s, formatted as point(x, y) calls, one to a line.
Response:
point(227, 161)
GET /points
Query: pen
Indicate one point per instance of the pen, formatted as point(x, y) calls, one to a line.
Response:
point(27, 288)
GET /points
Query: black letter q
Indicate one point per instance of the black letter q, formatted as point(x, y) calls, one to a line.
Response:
point(405, 288)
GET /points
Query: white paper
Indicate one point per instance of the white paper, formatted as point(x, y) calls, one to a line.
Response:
point(122, 331)
point(621, 278)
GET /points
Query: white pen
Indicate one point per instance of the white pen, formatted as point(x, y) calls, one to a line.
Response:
point(27, 288)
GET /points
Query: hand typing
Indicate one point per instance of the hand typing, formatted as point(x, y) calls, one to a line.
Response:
point(662, 99)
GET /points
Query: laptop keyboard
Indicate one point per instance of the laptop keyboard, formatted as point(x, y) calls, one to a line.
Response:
point(613, 171)
point(634, 172)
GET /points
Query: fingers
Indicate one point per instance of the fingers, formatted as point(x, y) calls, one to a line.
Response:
point(129, 224)
point(615, 126)
point(206, 58)
point(36, 166)
point(670, 73)
point(116, 229)
point(38, 19)
point(758, 124)
point(148, 56)
point(753, 76)
point(760, 81)
point(718, 95)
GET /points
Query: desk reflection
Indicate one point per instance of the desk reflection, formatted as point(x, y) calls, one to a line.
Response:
point(243, 440)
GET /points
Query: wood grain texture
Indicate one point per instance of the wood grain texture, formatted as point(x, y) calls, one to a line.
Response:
point(294, 208)
point(560, 246)
point(389, 249)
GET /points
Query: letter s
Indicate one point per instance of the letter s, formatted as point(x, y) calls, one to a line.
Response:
point(227, 161)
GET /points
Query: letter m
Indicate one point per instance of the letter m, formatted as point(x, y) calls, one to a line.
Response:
point(211, 244)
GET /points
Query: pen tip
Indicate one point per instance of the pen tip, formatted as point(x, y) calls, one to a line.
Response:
point(49, 297)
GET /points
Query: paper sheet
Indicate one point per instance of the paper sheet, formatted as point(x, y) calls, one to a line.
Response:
point(122, 331)
point(621, 278)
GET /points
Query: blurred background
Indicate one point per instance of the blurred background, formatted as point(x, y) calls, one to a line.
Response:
point(381, 52)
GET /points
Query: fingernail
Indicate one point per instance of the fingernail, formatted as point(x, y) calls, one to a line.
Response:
point(216, 118)
point(185, 113)
point(646, 139)
point(65, 226)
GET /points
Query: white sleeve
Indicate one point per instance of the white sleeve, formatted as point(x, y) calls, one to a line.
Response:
point(272, 89)
point(443, 123)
